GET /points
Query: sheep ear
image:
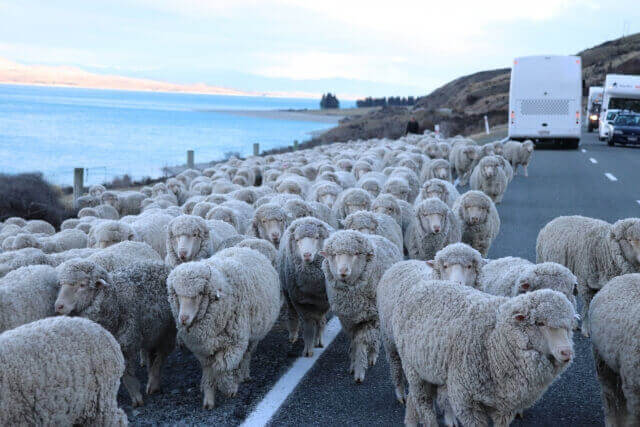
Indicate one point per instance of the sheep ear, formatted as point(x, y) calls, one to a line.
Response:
point(323, 254)
point(520, 315)
point(431, 263)
point(100, 283)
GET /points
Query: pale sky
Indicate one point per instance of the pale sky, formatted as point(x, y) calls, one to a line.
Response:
point(378, 48)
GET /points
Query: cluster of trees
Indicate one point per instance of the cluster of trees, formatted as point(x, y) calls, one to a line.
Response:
point(329, 101)
point(383, 102)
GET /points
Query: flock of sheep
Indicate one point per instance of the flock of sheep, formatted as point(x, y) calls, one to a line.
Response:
point(374, 232)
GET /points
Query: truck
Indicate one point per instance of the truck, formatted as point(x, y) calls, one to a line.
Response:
point(621, 93)
point(545, 100)
point(594, 105)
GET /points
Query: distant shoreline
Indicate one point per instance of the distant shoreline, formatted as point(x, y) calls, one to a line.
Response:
point(304, 115)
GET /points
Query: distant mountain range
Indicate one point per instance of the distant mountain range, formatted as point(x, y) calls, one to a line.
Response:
point(14, 73)
point(459, 106)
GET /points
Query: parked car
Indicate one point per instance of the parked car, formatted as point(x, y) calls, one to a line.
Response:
point(625, 129)
point(606, 120)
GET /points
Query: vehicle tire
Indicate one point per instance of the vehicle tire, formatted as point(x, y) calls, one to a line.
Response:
point(610, 142)
point(573, 144)
point(600, 138)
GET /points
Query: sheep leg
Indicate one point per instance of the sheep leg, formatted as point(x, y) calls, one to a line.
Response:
point(420, 400)
point(245, 365)
point(632, 394)
point(132, 385)
point(515, 169)
point(322, 323)
point(525, 170)
point(444, 405)
point(612, 395)
point(587, 295)
point(227, 383)
point(397, 374)
point(293, 321)
point(471, 414)
point(501, 419)
point(309, 334)
point(207, 384)
point(155, 364)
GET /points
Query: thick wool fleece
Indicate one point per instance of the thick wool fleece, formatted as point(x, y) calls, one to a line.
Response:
point(614, 334)
point(375, 223)
point(511, 276)
point(479, 235)
point(188, 225)
point(353, 198)
point(241, 300)
point(458, 253)
point(303, 283)
point(493, 185)
point(440, 189)
point(131, 303)
point(27, 294)
point(354, 302)
point(124, 254)
point(486, 350)
point(594, 250)
point(423, 244)
point(60, 371)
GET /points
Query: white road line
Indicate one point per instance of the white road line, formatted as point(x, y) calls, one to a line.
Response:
point(592, 160)
point(638, 201)
point(583, 150)
point(611, 177)
point(288, 382)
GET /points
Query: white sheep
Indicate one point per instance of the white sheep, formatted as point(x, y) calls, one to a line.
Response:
point(518, 154)
point(462, 157)
point(479, 220)
point(130, 303)
point(269, 222)
point(374, 223)
point(440, 189)
point(353, 265)
point(433, 227)
point(223, 308)
point(489, 177)
point(188, 239)
point(60, 371)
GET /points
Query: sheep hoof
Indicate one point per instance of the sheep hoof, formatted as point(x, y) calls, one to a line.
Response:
point(152, 388)
point(208, 404)
point(137, 402)
point(519, 415)
point(308, 353)
point(400, 395)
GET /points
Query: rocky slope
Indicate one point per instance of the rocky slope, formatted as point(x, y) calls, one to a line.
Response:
point(459, 106)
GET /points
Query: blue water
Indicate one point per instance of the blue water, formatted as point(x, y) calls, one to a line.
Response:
point(111, 133)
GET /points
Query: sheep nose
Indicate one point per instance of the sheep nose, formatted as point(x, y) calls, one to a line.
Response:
point(306, 256)
point(566, 354)
point(183, 255)
point(436, 229)
point(59, 308)
point(183, 319)
point(474, 219)
point(275, 237)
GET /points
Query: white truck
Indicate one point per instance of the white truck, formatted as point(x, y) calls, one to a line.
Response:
point(594, 105)
point(545, 100)
point(621, 92)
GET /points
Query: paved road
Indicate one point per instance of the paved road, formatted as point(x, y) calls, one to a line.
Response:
point(560, 182)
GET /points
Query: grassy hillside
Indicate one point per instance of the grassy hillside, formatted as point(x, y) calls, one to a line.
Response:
point(459, 106)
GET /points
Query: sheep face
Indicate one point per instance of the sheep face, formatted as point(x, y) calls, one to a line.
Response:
point(474, 213)
point(189, 307)
point(441, 173)
point(372, 187)
point(528, 146)
point(470, 152)
point(346, 267)
point(456, 270)
point(79, 284)
point(547, 276)
point(435, 190)
point(186, 246)
point(627, 233)
point(360, 169)
point(271, 229)
point(398, 188)
point(225, 214)
point(353, 206)
point(306, 248)
point(290, 187)
point(361, 222)
point(489, 170)
point(111, 199)
point(432, 222)
point(193, 287)
point(498, 149)
point(327, 199)
point(541, 321)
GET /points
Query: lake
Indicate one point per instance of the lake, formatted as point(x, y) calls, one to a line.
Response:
point(111, 133)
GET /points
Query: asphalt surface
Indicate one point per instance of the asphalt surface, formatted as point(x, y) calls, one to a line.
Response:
point(560, 182)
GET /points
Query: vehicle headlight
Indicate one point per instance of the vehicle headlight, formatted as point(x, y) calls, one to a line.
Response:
point(618, 132)
point(593, 117)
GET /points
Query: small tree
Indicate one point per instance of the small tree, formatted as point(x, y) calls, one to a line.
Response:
point(329, 101)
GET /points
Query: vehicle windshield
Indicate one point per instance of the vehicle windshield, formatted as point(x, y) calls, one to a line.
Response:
point(627, 120)
point(595, 108)
point(611, 116)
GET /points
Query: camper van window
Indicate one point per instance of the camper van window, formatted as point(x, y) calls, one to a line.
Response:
point(624, 104)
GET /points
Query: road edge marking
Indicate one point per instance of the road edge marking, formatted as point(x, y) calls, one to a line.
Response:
point(271, 402)
point(610, 176)
point(592, 160)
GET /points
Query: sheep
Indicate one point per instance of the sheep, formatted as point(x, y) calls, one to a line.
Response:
point(86, 202)
point(498, 148)
point(24, 257)
point(131, 303)
point(269, 223)
point(462, 158)
point(108, 233)
point(353, 265)
point(188, 239)
point(201, 209)
point(518, 154)
point(228, 215)
point(152, 229)
point(262, 246)
point(386, 204)
point(458, 262)
point(411, 178)
point(350, 201)
point(60, 242)
point(490, 178)
point(27, 294)
point(124, 254)
point(438, 168)
point(511, 276)
point(594, 250)
point(105, 212)
point(58, 258)
point(60, 371)
point(303, 281)
point(491, 356)
point(614, 334)
point(372, 223)
point(398, 187)
point(224, 307)
point(324, 192)
point(220, 233)
point(440, 189)
point(17, 221)
point(38, 226)
point(433, 227)
point(479, 220)
point(126, 203)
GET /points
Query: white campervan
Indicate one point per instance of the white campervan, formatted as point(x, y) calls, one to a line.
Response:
point(621, 92)
point(545, 99)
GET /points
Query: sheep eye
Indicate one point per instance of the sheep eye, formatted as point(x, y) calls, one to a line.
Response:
point(469, 267)
point(539, 323)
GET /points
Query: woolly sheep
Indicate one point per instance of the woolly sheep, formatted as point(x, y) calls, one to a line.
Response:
point(459, 263)
point(324, 192)
point(518, 154)
point(108, 233)
point(479, 220)
point(220, 233)
point(350, 201)
point(262, 246)
point(511, 276)
point(228, 215)
point(24, 257)
point(60, 371)
point(86, 202)
point(188, 239)
point(398, 187)
point(594, 250)
point(124, 254)
point(152, 229)
point(223, 308)
point(438, 168)
point(433, 227)
point(462, 158)
point(386, 203)
point(492, 356)
point(439, 189)
point(130, 303)
point(38, 226)
point(614, 321)
point(269, 223)
point(353, 265)
point(201, 209)
point(27, 294)
point(490, 178)
point(126, 203)
point(303, 281)
point(373, 223)
point(411, 178)
point(60, 242)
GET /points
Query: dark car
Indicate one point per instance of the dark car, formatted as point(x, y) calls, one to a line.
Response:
point(626, 129)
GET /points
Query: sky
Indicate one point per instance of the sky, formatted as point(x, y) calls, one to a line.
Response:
point(353, 48)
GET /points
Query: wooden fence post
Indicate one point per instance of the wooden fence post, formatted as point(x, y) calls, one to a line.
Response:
point(190, 162)
point(78, 183)
point(256, 149)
